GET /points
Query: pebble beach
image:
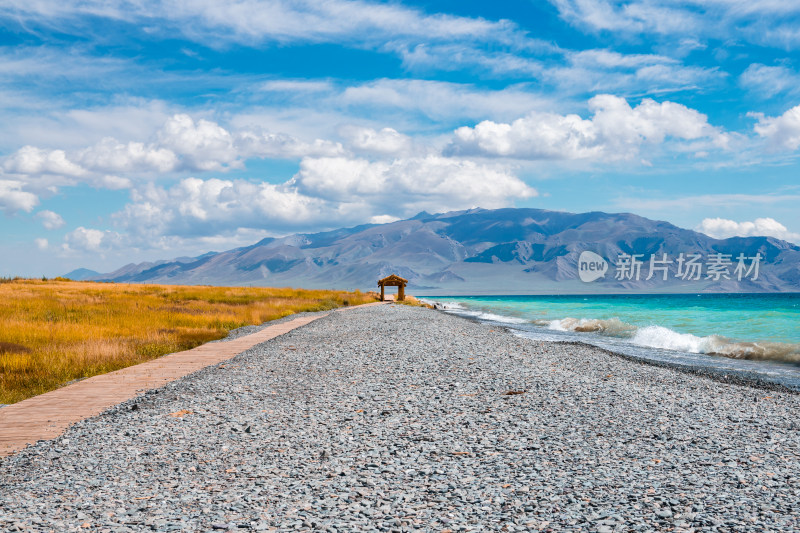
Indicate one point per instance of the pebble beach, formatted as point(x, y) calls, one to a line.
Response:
point(400, 418)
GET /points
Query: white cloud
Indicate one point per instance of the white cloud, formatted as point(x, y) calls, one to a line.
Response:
point(383, 219)
point(416, 107)
point(721, 228)
point(192, 209)
point(41, 243)
point(634, 17)
point(181, 144)
point(91, 240)
point(781, 132)
point(595, 58)
point(204, 145)
point(423, 57)
point(767, 22)
point(111, 182)
point(110, 155)
point(43, 62)
point(78, 127)
point(325, 193)
point(13, 198)
point(257, 143)
point(50, 219)
point(616, 131)
point(767, 81)
point(386, 141)
point(257, 21)
point(596, 70)
point(406, 186)
point(33, 160)
point(537, 136)
point(295, 86)
point(441, 100)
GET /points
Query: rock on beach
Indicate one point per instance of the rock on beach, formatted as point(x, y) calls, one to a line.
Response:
point(397, 418)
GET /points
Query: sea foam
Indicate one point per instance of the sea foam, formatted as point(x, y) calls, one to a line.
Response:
point(664, 338)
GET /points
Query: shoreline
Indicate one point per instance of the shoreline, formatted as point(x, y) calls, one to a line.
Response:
point(393, 417)
point(718, 375)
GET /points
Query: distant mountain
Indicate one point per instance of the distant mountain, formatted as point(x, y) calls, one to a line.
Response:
point(81, 274)
point(502, 251)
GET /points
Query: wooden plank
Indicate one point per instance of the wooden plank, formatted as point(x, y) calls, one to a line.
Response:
point(47, 416)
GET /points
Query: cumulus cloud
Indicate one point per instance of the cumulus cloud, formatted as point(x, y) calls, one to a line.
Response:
point(181, 144)
point(32, 160)
point(326, 192)
point(13, 198)
point(386, 141)
point(204, 145)
point(781, 132)
point(412, 183)
point(721, 228)
point(110, 155)
point(41, 243)
point(91, 240)
point(258, 143)
point(194, 206)
point(615, 131)
point(50, 219)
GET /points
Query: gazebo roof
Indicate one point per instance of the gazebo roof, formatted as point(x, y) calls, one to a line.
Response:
point(392, 278)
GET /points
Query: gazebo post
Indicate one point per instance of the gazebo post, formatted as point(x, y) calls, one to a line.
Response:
point(401, 292)
point(382, 297)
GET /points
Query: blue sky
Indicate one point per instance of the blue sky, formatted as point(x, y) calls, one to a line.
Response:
point(134, 130)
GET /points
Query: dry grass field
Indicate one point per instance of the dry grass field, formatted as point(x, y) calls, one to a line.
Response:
point(53, 332)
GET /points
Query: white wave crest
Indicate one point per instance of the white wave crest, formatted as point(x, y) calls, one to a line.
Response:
point(612, 327)
point(502, 318)
point(667, 339)
point(451, 306)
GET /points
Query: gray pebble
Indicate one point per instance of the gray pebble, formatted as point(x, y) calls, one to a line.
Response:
point(396, 418)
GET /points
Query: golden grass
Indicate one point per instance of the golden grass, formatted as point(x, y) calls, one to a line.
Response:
point(412, 301)
point(53, 332)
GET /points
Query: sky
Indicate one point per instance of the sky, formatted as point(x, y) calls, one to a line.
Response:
point(133, 130)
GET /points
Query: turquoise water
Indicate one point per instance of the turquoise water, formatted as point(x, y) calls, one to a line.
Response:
point(741, 317)
point(750, 332)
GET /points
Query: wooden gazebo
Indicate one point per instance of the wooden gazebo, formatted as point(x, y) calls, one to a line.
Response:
point(394, 280)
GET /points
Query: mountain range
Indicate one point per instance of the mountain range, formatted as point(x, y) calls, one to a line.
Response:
point(480, 251)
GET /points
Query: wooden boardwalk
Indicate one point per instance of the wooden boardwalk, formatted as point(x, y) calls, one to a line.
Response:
point(47, 416)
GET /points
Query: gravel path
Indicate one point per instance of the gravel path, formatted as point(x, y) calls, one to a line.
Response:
point(396, 418)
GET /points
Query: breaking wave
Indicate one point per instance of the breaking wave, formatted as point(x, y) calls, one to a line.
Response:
point(612, 327)
point(667, 339)
point(481, 315)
